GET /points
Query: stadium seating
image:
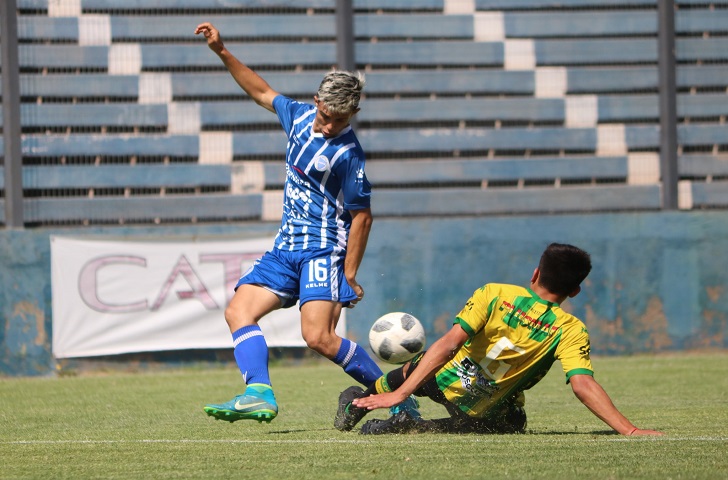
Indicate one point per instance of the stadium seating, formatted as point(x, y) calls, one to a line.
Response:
point(611, 108)
point(513, 106)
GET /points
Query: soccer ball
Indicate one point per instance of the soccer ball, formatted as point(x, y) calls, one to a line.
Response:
point(397, 337)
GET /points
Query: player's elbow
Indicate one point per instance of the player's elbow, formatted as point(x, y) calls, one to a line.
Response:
point(363, 217)
point(367, 223)
point(581, 385)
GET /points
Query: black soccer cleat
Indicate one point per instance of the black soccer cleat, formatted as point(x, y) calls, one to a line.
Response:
point(401, 422)
point(347, 415)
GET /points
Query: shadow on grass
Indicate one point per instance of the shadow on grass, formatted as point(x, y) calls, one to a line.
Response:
point(300, 430)
point(530, 432)
point(572, 432)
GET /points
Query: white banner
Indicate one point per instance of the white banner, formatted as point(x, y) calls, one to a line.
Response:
point(112, 297)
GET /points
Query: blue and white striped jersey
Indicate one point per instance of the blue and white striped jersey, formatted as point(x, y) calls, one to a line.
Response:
point(324, 180)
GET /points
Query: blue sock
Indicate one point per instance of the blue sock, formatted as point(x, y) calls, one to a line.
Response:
point(357, 363)
point(251, 354)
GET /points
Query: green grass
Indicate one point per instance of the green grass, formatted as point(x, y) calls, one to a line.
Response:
point(151, 425)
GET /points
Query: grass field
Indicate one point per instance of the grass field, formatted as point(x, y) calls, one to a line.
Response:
point(151, 425)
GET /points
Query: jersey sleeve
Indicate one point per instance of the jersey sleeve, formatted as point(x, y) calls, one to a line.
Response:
point(355, 186)
point(285, 109)
point(474, 315)
point(573, 350)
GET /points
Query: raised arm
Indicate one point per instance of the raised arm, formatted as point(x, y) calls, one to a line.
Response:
point(253, 84)
point(593, 396)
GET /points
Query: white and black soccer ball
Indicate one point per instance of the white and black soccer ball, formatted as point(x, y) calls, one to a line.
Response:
point(397, 337)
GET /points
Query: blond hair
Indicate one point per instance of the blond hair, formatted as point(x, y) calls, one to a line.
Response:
point(340, 91)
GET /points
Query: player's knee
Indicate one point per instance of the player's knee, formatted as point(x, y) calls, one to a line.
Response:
point(315, 343)
point(320, 343)
point(233, 318)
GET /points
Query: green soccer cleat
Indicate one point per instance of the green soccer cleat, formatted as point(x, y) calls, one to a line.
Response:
point(257, 403)
point(410, 405)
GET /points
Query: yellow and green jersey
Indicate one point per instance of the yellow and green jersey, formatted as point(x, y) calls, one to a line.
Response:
point(515, 337)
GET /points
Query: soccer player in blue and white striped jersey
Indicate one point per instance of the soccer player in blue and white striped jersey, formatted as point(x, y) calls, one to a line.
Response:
point(321, 241)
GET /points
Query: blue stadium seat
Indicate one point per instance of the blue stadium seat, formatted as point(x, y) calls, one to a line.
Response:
point(237, 26)
point(110, 145)
point(47, 28)
point(640, 137)
point(394, 140)
point(408, 82)
point(123, 176)
point(709, 194)
point(613, 108)
point(557, 4)
point(630, 79)
point(451, 81)
point(564, 24)
point(700, 21)
point(401, 140)
point(379, 172)
point(234, 26)
point(414, 26)
point(422, 68)
point(703, 105)
point(702, 134)
point(591, 51)
point(701, 2)
point(175, 56)
point(430, 53)
point(611, 79)
point(63, 56)
point(453, 170)
point(625, 51)
point(507, 5)
point(518, 24)
point(166, 5)
point(702, 76)
point(697, 165)
point(74, 85)
point(229, 113)
point(93, 115)
point(456, 109)
point(701, 49)
point(216, 207)
point(410, 111)
point(462, 201)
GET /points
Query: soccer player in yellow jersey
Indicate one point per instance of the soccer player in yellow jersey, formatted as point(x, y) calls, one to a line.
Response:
point(503, 342)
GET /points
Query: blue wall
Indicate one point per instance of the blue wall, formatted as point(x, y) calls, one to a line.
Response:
point(659, 280)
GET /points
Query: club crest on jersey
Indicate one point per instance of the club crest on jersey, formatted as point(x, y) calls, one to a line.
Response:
point(321, 163)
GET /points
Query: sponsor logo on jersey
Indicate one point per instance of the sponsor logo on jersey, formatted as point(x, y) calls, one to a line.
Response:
point(296, 175)
point(525, 320)
point(297, 202)
point(584, 350)
point(473, 380)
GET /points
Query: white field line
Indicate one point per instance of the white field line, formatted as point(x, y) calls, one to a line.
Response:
point(398, 438)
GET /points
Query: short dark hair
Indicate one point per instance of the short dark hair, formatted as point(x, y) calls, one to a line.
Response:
point(563, 267)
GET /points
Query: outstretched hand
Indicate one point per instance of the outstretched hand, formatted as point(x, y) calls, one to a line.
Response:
point(214, 41)
point(381, 400)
